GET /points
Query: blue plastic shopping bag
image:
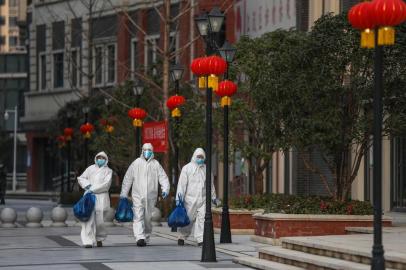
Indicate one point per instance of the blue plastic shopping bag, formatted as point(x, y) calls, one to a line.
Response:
point(124, 211)
point(84, 207)
point(179, 217)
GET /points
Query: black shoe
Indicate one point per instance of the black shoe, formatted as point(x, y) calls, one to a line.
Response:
point(88, 246)
point(181, 242)
point(200, 244)
point(141, 243)
point(99, 243)
point(2, 201)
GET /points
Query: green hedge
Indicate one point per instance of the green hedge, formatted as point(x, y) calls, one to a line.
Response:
point(291, 204)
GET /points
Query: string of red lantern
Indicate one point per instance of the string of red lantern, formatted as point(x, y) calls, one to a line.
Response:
point(380, 14)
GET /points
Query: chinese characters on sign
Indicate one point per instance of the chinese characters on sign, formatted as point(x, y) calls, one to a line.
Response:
point(156, 133)
point(254, 18)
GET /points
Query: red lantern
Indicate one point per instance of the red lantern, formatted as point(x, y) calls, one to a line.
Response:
point(86, 130)
point(175, 101)
point(195, 67)
point(361, 17)
point(226, 89)
point(60, 139)
point(137, 115)
point(217, 65)
point(388, 12)
point(68, 133)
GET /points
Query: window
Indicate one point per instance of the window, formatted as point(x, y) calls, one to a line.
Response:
point(12, 21)
point(12, 41)
point(13, 3)
point(151, 53)
point(99, 65)
point(58, 70)
point(74, 68)
point(2, 20)
point(105, 64)
point(173, 46)
point(42, 71)
point(111, 63)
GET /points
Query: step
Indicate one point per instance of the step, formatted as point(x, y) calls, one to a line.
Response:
point(342, 251)
point(308, 261)
point(263, 264)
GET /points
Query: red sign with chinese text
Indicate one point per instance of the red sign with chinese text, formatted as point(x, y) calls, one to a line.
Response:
point(156, 133)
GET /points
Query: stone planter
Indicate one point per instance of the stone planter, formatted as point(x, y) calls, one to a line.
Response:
point(283, 225)
point(241, 220)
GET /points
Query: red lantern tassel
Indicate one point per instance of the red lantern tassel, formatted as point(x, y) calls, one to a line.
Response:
point(386, 36)
point(367, 39)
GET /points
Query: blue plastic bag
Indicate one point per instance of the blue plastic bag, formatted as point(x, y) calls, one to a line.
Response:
point(84, 207)
point(124, 211)
point(179, 217)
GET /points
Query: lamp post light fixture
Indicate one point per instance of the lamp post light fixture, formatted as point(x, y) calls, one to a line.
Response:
point(209, 25)
point(176, 75)
point(6, 117)
point(227, 52)
point(138, 90)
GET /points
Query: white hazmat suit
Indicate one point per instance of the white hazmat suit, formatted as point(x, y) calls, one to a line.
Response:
point(192, 189)
point(99, 179)
point(143, 176)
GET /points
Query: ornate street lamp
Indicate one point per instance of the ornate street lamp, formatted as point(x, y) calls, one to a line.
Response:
point(225, 91)
point(376, 21)
point(208, 26)
point(138, 90)
point(173, 104)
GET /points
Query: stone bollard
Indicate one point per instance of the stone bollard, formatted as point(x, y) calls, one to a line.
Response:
point(156, 217)
point(109, 217)
point(59, 216)
point(8, 217)
point(34, 217)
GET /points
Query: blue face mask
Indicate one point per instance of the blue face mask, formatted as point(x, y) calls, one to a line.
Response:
point(100, 162)
point(200, 161)
point(147, 154)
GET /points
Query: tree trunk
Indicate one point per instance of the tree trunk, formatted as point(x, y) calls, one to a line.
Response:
point(165, 71)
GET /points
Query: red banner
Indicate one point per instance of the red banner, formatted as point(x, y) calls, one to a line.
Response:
point(156, 133)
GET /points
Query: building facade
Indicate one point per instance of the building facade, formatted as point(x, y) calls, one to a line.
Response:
point(13, 85)
point(75, 51)
point(13, 15)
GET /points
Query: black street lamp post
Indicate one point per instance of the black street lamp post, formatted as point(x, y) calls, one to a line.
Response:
point(138, 89)
point(378, 260)
point(86, 110)
point(227, 52)
point(176, 74)
point(209, 26)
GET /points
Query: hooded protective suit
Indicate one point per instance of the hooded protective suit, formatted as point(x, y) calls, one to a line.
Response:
point(192, 188)
point(99, 179)
point(143, 176)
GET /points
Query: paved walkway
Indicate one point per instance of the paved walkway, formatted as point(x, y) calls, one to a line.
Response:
point(60, 248)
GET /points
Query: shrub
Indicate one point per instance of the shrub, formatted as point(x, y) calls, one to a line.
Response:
point(292, 204)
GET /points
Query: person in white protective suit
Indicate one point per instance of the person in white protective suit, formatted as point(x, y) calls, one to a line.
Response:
point(192, 189)
point(96, 179)
point(143, 176)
